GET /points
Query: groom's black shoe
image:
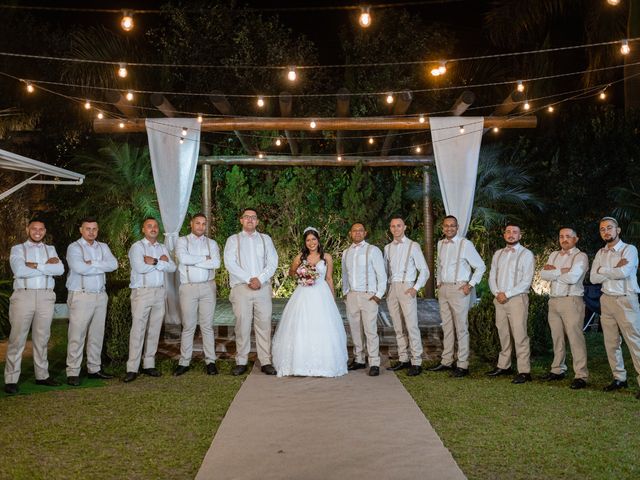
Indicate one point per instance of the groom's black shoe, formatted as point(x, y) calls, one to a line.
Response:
point(212, 369)
point(374, 371)
point(180, 370)
point(440, 368)
point(238, 370)
point(355, 366)
point(399, 366)
point(414, 371)
point(268, 370)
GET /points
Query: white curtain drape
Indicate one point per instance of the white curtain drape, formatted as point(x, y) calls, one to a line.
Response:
point(456, 147)
point(174, 165)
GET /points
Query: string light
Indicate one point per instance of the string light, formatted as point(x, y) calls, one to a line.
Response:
point(371, 140)
point(495, 129)
point(365, 17)
point(389, 99)
point(526, 105)
point(183, 132)
point(292, 75)
point(199, 118)
point(603, 95)
point(260, 155)
point(435, 71)
point(181, 140)
point(260, 102)
point(121, 124)
point(339, 158)
point(129, 95)
point(442, 68)
point(625, 49)
point(550, 109)
point(100, 115)
point(30, 87)
point(122, 70)
point(278, 142)
point(418, 149)
point(126, 22)
point(520, 86)
point(461, 129)
point(313, 124)
point(87, 105)
point(613, 3)
point(421, 119)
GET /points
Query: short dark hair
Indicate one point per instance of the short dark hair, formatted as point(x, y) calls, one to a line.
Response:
point(250, 209)
point(512, 224)
point(37, 219)
point(146, 219)
point(199, 214)
point(565, 227)
point(450, 217)
point(396, 216)
point(88, 219)
point(357, 223)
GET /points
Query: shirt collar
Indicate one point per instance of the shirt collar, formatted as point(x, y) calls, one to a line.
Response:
point(617, 247)
point(86, 244)
point(571, 251)
point(358, 245)
point(455, 239)
point(147, 242)
point(249, 235)
point(195, 238)
point(402, 240)
point(29, 243)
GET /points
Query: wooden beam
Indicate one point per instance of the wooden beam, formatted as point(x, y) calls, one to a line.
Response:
point(508, 105)
point(108, 125)
point(286, 107)
point(403, 101)
point(342, 110)
point(224, 107)
point(463, 102)
point(317, 161)
point(161, 103)
point(120, 102)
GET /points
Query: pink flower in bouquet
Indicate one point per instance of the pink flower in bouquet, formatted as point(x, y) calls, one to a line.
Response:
point(306, 274)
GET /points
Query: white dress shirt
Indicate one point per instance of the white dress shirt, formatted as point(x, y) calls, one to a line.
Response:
point(566, 284)
point(396, 255)
point(144, 275)
point(192, 253)
point(89, 277)
point(355, 273)
point(448, 251)
point(616, 281)
point(37, 278)
point(511, 271)
point(255, 258)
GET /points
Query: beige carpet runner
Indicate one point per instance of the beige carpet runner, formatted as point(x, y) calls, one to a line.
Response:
point(353, 427)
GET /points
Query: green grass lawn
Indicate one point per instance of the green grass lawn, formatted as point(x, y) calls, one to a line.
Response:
point(150, 428)
point(540, 430)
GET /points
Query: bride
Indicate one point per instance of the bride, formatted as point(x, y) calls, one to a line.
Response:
point(310, 339)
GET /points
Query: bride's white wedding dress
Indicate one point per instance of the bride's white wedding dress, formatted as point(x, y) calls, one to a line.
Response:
point(310, 339)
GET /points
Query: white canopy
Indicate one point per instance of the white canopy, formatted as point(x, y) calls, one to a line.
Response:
point(13, 161)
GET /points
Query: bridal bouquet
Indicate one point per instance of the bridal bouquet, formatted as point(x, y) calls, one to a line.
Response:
point(306, 274)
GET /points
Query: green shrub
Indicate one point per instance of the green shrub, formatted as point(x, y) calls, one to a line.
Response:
point(118, 327)
point(5, 293)
point(483, 335)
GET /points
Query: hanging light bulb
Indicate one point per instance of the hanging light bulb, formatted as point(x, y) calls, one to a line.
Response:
point(30, 87)
point(371, 140)
point(421, 119)
point(199, 118)
point(520, 86)
point(418, 149)
point(278, 142)
point(129, 95)
point(126, 22)
point(602, 95)
point(260, 155)
point(365, 17)
point(122, 70)
point(435, 72)
point(292, 75)
point(339, 158)
point(625, 49)
point(526, 106)
point(442, 68)
point(614, 3)
point(183, 132)
point(87, 105)
point(389, 99)
point(495, 129)
point(121, 124)
point(181, 140)
point(313, 124)
point(260, 102)
point(461, 129)
point(550, 109)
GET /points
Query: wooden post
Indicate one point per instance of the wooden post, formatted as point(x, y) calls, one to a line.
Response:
point(224, 107)
point(429, 241)
point(286, 103)
point(206, 195)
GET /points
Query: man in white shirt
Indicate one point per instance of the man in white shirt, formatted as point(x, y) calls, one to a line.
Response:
point(565, 270)
point(198, 258)
point(364, 282)
point(615, 267)
point(34, 265)
point(89, 260)
point(149, 260)
point(460, 269)
point(510, 280)
point(251, 259)
point(407, 273)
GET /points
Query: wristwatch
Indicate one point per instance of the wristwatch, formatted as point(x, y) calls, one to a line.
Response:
point(155, 261)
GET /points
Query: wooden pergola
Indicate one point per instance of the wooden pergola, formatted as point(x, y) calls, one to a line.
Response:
point(340, 124)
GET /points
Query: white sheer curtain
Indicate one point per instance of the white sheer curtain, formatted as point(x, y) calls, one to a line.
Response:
point(456, 147)
point(174, 165)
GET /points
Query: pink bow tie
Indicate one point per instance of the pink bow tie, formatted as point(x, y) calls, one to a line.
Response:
point(446, 240)
point(562, 253)
point(509, 249)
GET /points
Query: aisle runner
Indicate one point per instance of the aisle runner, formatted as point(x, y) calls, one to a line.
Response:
point(352, 427)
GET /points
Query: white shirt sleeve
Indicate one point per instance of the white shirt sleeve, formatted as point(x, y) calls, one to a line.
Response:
point(422, 267)
point(271, 260)
point(475, 261)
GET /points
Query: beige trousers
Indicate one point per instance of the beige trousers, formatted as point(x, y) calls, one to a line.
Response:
point(197, 305)
point(403, 309)
point(252, 306)
point(621, 315)
point(362, 314)
point(29, 309)
point(511, 320)
point(147, 314)
point(566, 317)
point(454, 312)
point(87, 314)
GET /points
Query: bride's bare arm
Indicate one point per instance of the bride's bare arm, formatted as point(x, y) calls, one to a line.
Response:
point(294, 265)
point(329, 277)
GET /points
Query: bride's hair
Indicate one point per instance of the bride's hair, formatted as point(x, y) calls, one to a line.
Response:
point(305, 250)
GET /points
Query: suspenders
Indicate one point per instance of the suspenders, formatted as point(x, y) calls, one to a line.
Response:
point(46, 251)
point(104, 276)
point(573, 259)
point(626, 280)
point(264, 249)
point(458, 255)
point(515, 279)
point(366, 267)
point(187, 266)
point(406, 262)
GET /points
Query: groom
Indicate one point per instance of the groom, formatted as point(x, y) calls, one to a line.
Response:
point(364, 282)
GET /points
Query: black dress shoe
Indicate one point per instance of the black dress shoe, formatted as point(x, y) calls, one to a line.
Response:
point(414, 371)
point(152, 372)
point(180, 370)
point(616, 385)
point(49, 382)
point(460, 372)
point(374, 371)
point(238, 370)
point(440, 368)
point(521, 378)
point(11, 388)
point(554, 376)
point(212, 369)
point(130, 377)
point(101, 375)
point(399, 366)
point(74, 381)
point(268, 370)
point(496, 372)
point(578, 383)
point(356, 366)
